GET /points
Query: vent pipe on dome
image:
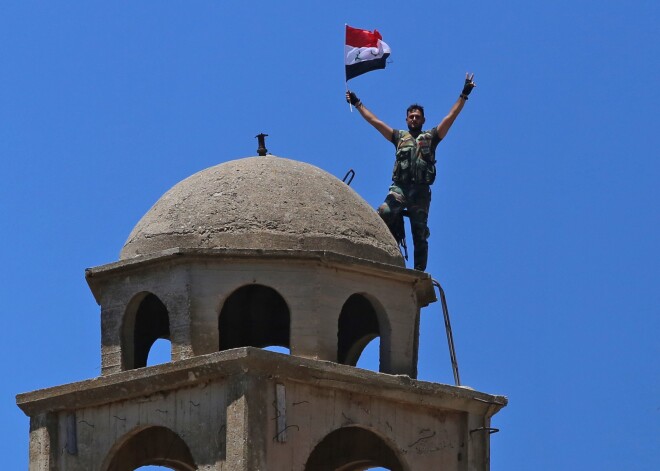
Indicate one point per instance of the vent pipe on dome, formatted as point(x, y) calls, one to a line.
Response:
point(261, 150)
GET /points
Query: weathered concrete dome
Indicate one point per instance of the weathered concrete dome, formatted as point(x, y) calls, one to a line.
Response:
point(264, 203)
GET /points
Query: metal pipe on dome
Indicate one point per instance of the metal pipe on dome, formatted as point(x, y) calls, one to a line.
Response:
point(261, 139)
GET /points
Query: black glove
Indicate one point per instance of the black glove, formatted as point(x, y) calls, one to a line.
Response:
point(467, 88)
point(352, 98)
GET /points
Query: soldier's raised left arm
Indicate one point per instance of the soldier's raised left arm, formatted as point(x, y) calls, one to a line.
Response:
point(383, 128)
point(445, 124)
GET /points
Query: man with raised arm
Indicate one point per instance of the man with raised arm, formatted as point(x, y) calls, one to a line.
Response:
point(414, 168)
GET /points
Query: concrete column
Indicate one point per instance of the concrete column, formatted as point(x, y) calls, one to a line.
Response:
point(312, 331)
point(478, 443)
point(399, 355)
point(43, 442)
point(329, 309)
point(205, 337)
point(246, 423)
point(111, 321)
point(178, 308)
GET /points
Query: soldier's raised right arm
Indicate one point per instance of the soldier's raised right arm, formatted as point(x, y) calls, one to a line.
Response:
point(382, 128)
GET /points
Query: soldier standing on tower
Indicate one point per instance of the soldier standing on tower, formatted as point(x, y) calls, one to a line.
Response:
point(414, 169)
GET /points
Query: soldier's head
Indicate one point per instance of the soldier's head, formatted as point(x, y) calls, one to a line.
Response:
point(415, 117)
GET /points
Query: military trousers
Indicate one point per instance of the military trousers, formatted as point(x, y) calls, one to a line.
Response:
point(416, 201)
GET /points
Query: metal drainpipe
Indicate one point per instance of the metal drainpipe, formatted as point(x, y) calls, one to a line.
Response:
point(450, 337)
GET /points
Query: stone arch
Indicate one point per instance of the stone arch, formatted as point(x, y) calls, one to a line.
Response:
point(254, 316)
point(146, 320)
point(353, 449)
point(361, 320)
point(153, 445)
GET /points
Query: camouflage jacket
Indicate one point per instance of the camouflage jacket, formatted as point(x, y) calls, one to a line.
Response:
point(415, 158)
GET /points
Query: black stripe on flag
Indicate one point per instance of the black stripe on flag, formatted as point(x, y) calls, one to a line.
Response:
point(360, 68)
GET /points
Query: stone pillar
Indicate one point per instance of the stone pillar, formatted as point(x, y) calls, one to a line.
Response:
point(178, 309)
point(111, 320)
point(43, 442)
point(246, 423)
point(478, 430)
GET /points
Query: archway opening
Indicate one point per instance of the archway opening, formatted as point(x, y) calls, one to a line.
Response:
point(146, 320)
point(352, 449)
point(358, 326)
point(153, 468)
point(160, 352)
point(370, 356)
point(254, 316)
point(153, 447)
point(276, 349)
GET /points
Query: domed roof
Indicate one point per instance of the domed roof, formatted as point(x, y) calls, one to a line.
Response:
point(264, 203)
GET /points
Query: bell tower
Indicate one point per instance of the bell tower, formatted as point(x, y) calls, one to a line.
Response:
point(259, 252)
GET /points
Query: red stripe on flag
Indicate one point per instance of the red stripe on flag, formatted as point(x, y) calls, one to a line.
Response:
point(362, 38)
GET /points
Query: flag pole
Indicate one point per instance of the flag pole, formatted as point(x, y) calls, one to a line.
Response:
point(350, 105)
point(346, 80)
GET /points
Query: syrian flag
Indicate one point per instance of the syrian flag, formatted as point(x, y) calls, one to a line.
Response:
point(364, 51)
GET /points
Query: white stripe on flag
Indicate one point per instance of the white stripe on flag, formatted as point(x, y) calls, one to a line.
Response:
point(353, 55)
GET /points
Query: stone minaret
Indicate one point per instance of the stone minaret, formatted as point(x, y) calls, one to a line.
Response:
point(252, 253)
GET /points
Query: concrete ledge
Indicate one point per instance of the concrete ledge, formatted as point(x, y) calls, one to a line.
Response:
point(421, 280)
point(261, 363)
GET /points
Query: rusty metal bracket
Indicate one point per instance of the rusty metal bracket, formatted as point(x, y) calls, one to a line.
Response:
point(490, 430)
point(350, 172)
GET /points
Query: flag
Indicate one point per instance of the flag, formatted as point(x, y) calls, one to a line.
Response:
point(364, 51)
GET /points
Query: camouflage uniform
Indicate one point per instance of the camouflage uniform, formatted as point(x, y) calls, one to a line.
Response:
point(413, 174)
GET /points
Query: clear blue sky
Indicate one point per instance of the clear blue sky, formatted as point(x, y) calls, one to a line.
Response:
point(545, 216)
